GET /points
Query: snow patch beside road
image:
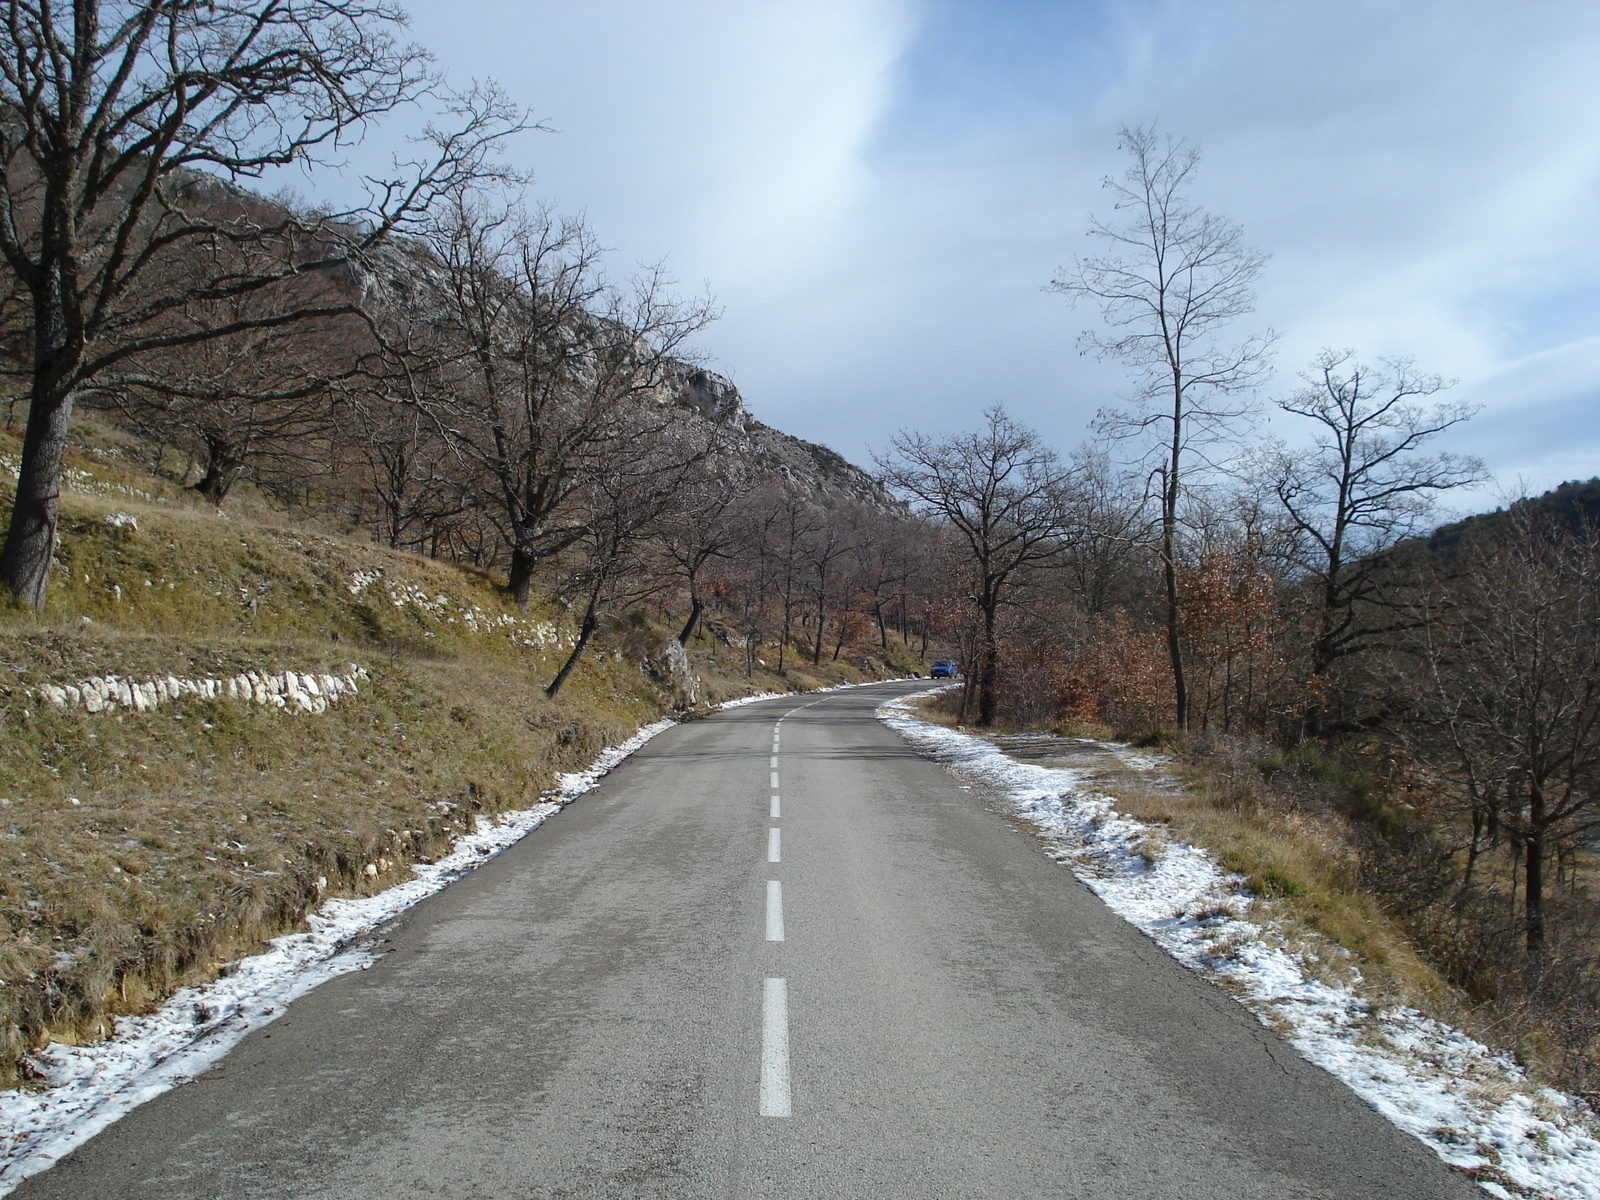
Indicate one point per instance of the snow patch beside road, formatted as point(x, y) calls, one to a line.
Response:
point(1476, 1109)
point(89, 1087)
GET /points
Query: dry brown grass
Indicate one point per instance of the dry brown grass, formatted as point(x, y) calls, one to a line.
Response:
point(1304, 864)
point(1294, 848)
point(139, 851)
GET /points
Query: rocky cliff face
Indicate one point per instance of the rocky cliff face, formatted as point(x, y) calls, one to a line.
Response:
point(712, 396)
point(401, 274)
point(762, 450)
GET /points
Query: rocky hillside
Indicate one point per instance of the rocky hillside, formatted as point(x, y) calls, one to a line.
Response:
point(403, 275)
point(224, 719)
point(771, 451)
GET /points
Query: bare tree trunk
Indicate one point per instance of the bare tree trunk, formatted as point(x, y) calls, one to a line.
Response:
point(989, 671)
point(393, 510)
point(519, 579)
point(695, 608)
point(30, 541)
point(586, 628)
point(31, 538)
point(224, 465)
point(1474, 848)
point(788, 626)
point(1533, 886)
point(1169, 562)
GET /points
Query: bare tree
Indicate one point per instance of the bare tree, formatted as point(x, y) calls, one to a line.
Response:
point(623, 508)
point(116, 119)
point(795, 519)
point(700, 532)
point(1173, 277)
point(555, 368)
point(1503, 675)
point(748, 580)
point(390, 442)
point(884, 564)
point(825, 555)
point(1108, 531)
point(1363, 485)
point(261, 400)
point(999, 489)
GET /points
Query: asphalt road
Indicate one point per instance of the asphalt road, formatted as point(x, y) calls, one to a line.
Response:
point(607, 1010)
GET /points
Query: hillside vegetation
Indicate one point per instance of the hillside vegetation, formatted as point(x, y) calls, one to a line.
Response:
point(208, 804)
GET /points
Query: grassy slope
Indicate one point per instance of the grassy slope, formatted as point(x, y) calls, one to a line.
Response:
point(1299, 828)
point(141, 850)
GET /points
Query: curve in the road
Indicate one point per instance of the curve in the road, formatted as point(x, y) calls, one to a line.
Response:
point(659, 994)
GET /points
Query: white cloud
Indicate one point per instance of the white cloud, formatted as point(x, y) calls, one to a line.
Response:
point(878, 189)
point(1562, 373)
point(719, 134)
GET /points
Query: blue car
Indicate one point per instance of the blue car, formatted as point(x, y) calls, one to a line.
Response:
point(945, 668)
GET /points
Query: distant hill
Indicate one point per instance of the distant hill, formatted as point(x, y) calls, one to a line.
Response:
point(1573, 503)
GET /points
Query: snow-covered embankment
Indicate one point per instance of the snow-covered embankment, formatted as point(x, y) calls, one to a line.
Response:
point(89, 1087)
point(1475, 1108)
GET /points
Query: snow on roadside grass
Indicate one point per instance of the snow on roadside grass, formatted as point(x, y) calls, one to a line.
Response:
point(89, 1087)
point(1475, 1108)
point(743, 700)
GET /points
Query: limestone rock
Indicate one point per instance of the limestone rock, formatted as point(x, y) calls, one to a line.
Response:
point(685, 683)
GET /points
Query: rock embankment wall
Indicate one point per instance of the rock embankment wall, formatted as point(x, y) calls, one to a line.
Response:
point(291, 691)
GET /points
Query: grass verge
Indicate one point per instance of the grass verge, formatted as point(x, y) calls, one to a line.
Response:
point(144, 846)
point(1358, 878)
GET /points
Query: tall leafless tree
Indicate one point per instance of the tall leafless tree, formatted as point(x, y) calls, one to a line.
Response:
point(1108, 531)
point(389, 447)
point(1503, 674)
point(999, 488)
point(755, 582)
point(1364, 484)
point(260, 401)
point(825, 555)
point(700, 532)
point(1172, 278)
point(120, 121)
point(555, 368)
point(885, 561)
point(622, 509)
point(795, 518)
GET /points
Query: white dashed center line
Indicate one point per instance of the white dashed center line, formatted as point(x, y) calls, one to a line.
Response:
point(775, 995)
point(775, 1049)
point(774, 911)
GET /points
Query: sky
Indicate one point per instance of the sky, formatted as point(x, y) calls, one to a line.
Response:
point(878, 191)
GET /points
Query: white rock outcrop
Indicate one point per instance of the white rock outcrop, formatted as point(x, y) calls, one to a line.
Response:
point(291, 691)
point(684, 680)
